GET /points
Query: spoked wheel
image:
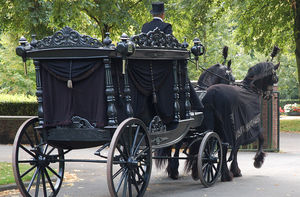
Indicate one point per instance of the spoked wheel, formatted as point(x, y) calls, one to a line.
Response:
point(36, 169)
point(129, 159)
point(210, 159)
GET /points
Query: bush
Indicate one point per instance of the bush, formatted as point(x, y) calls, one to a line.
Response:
point(283, 102)
point(18, 105)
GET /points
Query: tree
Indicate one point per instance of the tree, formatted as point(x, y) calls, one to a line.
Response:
point(263, 24)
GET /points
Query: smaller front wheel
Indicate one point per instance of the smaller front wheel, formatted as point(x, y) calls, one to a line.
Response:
point(129, 159)
point(210, 159)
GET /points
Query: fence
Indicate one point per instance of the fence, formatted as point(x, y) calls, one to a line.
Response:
point(270, 124)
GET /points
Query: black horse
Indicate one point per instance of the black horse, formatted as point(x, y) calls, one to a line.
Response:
point(234, 113)
point(218, 73)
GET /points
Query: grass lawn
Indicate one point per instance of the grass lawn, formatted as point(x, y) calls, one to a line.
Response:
point(7, 175)
point(290, 125)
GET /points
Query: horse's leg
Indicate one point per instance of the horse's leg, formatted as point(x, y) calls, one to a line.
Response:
point(234, 168)
point(173, 163)
point(226, 174)
point(260, 154)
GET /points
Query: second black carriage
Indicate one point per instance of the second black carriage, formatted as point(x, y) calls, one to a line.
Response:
point(123, 99)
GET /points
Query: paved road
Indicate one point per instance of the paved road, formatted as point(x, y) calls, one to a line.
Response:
point(279, 176)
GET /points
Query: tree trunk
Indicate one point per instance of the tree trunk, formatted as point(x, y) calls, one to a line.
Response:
point(296, 8)
point(105, 30)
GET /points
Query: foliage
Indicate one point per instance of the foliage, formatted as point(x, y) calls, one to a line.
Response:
point(283, 102)
point(241, 25)
point(289, 125)
point(18, 105)
point(17, 98)
point(262, 24)
point(12, 79)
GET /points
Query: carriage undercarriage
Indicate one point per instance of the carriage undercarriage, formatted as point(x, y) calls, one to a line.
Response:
point(131, 143)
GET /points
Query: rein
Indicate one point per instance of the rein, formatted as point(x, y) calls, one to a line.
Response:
point(211, 72)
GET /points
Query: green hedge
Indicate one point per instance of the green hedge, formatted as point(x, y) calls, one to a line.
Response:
point(18, 105)
point(18, 109)
point(283, 102)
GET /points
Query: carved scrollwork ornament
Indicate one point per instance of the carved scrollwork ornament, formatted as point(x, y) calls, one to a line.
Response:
point(156, 39)
point(156, 125)
point(67, 37)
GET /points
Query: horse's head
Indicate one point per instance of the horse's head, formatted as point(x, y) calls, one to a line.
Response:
point(216, 74)
point(226, 73)
point(262, 77)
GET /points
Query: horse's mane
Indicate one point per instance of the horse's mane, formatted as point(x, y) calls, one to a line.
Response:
point(259, 75)
point(260, 70)
point(207, 79)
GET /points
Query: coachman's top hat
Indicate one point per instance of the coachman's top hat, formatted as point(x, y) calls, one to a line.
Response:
point(158, 8)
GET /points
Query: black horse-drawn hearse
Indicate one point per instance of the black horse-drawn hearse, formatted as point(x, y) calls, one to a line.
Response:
point(128, 100)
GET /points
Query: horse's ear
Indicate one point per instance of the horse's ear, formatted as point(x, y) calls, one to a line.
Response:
point(229, 64)
point(276, 66)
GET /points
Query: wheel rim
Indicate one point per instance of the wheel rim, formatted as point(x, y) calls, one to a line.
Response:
point(210, 159)
point(36, 167)
point(129, 159)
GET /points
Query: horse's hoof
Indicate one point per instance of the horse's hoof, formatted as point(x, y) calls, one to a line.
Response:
point(258, 164)
point(173, 176)
point(195, 178)
point(237, 174)
point(227, 177)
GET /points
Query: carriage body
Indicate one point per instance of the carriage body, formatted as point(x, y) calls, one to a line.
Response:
point(89, 95)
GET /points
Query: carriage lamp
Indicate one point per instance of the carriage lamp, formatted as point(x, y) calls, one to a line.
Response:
point(125, 48)
point(21, 51)
point(197, 50)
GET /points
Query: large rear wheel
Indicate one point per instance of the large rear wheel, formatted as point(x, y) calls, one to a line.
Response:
point(129, 159)
point(36, 167)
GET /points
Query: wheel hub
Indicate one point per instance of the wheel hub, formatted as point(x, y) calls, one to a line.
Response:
point(213, 160)
point(132, 163)
point(43, 161)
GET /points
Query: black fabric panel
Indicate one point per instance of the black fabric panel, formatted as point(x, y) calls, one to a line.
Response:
point(140, 73)
point(141, 90)
point(86, 99)
point(69, 69)
point(234, 112)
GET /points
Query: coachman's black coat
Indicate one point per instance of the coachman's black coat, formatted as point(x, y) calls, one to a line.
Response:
point(164, 27)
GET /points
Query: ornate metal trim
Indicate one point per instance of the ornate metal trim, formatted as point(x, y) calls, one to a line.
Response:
point(79, 122)
point(156, 39)
point(67, 37)
point(156, 125)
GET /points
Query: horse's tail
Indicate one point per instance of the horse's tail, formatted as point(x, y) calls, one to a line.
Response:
point(165, 152)
point(191, 162)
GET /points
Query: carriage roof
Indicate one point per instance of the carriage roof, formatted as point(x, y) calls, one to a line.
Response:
point(69, 44)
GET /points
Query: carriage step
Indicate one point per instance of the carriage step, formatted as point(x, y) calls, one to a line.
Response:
point(98, 152)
